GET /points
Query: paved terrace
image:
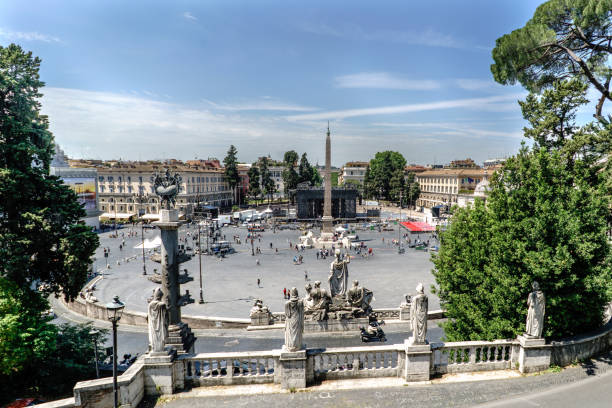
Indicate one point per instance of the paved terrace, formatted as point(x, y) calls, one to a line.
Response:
point(230, 283)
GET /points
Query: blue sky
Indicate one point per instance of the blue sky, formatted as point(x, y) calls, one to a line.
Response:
point(180, 79)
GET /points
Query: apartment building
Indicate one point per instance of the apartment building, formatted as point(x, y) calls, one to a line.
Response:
point(444, 186)
point(126, 191)
point(354, 171)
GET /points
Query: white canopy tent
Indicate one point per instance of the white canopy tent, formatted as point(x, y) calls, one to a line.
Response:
point(152, 243)
point(118, 216)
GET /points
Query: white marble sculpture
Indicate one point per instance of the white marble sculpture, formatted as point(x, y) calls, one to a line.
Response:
point(294, 322)
point(338, 275)
point(158, 322)
point(535, 314)
point(418, 316)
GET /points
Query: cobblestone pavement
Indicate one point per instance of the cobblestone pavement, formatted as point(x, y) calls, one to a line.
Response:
point(532, 390)
point(230, 284)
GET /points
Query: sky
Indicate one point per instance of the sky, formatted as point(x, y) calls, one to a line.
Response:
point(139, 80)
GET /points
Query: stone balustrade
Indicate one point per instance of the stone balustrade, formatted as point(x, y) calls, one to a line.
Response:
point(469, 356)
point(357, 362)
point(206, 369)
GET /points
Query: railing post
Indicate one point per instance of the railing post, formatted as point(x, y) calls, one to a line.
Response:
point(418, 361)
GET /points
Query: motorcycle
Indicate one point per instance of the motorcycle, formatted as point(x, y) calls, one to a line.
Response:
point(373, 332)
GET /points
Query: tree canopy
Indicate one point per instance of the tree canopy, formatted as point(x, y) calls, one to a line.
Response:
point(383, 175)
point(42, 242)
point(254, 188)
point(41, 239)
point(564, 39)
point(543, 221)
point(267, 183)
point(290, 175)
point(231, 168)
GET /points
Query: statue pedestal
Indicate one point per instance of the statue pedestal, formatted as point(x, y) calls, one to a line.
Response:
point(418, 358)
point(404, 311)
point(292, 369)
point(334, 325)
point(534, 354)
point(159, 374)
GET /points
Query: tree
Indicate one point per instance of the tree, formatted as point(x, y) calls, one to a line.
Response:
point(305, 170)
point(551, 115)
point(381, 170)
point(317, 180)
point(369, 190)
point(564, 39)
point(41, 239)
point(542, 222)
point(396, 185)
point(412, 189)
point(290, 176)
point(231, 169)
point(254, 189)
point(267, 183)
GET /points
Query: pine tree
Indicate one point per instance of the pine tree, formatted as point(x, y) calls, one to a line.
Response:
point(231, 169)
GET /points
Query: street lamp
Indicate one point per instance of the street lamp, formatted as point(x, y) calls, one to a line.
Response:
point(141, 200)
point(201, 301)
point(113, 312)
point(399, 226)
point(94, 333)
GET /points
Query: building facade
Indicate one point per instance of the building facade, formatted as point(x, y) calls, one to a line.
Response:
point(126, 192)
point(443, 186)
point(354, 171)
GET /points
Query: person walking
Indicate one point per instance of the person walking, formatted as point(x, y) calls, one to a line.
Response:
point(285, 293)
point(306, 275)
point(258, 282)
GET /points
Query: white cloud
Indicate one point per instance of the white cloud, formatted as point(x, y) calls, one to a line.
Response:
point(107, 125)
point(267, 103)
point(427, 37)
point(27, 36)
point(383, 80)
point(477, 84)
point(449, 128)
point(489, 103)
point(189, 16)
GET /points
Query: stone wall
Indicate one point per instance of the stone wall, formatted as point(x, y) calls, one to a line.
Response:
point(581, 347)
point(99, 393)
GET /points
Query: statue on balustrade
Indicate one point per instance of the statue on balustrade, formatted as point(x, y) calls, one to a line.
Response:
point(294, 322)
point(358, 299)
point(317, 302)
point(535, 313)
point(158, 321)
point(338, 275)
point(418, 316)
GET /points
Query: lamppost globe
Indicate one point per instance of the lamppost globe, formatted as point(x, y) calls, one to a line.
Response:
point(114, 310)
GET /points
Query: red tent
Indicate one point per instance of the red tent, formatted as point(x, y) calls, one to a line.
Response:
point(415, 226)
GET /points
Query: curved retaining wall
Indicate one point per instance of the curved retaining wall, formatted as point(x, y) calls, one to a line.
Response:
point(581, 347)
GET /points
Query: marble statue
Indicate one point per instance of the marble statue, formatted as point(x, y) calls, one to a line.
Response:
point(338, 275)
point(260, 314)
point(317, 301)
point(359, 298)
point(158, 321)
point(535, 314)
point(294, 322)
point(418, 316)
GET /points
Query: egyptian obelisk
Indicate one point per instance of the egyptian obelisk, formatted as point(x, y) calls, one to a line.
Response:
point(328, 225)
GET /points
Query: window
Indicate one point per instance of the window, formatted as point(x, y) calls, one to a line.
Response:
point(111, 189)
point(119, 178)
point(140, 179)
point(110, 179)
point(129, 179)
point(129, 189)
point(101, 179)
point(121, 189)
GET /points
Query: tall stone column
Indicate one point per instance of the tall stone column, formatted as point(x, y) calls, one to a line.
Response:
point(180, 337)
point(327, 197)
